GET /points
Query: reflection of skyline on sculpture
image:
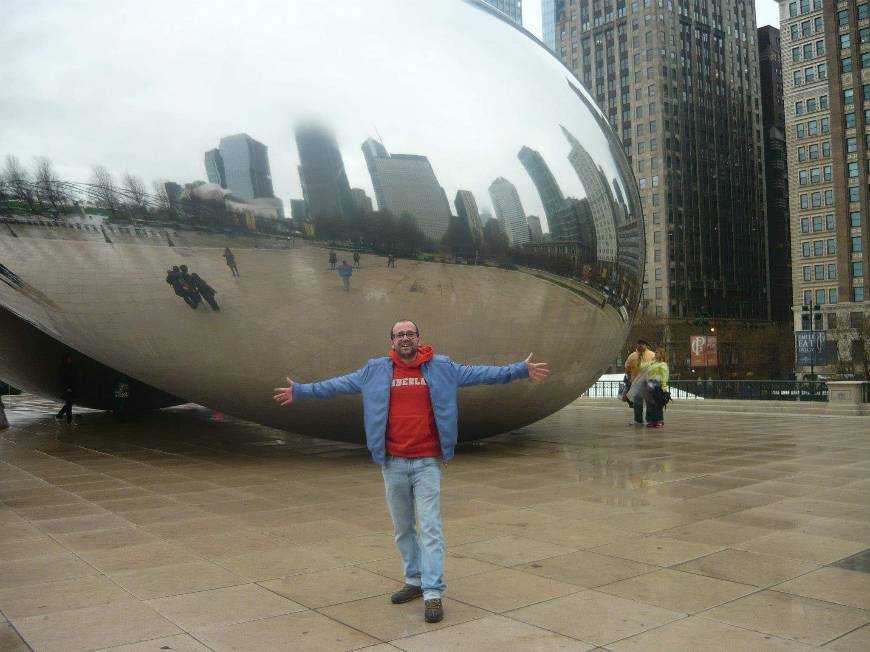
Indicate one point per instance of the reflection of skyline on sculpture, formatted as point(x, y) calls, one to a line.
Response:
point(374, 156)
point(201, 108)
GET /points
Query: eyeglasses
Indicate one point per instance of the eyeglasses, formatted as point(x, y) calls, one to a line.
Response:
point(409, 334)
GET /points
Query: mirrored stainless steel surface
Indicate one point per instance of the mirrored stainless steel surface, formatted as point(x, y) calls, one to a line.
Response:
point(432, 138)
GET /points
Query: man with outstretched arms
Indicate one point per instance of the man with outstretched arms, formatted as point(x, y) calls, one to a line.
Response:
point(410, 414)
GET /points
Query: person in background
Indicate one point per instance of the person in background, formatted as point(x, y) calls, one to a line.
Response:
point(643, 354)
point(204, 290)
point(231, 261)
point(68, 385)
point(356, 259)
point(333, 259)
point(657, 384)
point(121, 399)
point(345, 271)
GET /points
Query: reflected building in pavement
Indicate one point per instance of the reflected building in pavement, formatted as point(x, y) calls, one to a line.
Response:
point(406, 183)
point(321, 173)
point(466, 210)
point(509, 211)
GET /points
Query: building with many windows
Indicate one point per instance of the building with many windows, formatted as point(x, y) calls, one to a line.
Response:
point(826, 73)
point(511, 8)
point(678, 81)
point(509, 211)
point(321, 172)
point(406, 184)
point(550, 10)
point(241, 165)
point(776, 170)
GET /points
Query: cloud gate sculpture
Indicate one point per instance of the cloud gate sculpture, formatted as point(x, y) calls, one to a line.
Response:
point(434, 139)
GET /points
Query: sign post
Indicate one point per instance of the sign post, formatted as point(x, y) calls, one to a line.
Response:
point(704, 352)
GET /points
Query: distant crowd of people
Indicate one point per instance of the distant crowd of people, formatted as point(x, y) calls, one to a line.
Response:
point(191, 287)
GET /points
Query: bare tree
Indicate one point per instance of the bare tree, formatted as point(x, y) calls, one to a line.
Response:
point(105, 192)
point(18, 179)
point(48, 186)
point(136, 194)
point(160, 194)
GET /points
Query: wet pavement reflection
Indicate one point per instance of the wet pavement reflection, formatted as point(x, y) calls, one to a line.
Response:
point(188, 527)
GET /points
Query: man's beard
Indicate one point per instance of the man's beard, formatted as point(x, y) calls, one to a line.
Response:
point(408, 353)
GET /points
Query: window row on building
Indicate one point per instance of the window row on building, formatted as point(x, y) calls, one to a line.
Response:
point(811, 105)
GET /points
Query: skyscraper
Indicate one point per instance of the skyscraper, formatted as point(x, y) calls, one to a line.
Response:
point(535, 230)
point(599, 197)
point(679, 83)
point(214, 168)
point(361, 201)
point(509, 211)
point(827, 113)
point(776, 171)
point(550, 10)
point(512, 8)
point(406, 183)
point(466, 209)
point(241, 165)
point(321, 172)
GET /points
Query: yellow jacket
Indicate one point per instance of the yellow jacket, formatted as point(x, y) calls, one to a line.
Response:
point(632, 363)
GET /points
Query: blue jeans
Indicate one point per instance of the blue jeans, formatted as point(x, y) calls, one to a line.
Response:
point(638, 410)
point(413, 487)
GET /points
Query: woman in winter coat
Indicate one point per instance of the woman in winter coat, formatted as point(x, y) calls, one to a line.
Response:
point(656, 373)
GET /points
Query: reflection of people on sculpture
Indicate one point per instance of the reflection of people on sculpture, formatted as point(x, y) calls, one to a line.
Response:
point(231, 261)
point(410, 412)
point(356, 259)
point(333, 259)
point(181, 284)
point(345, 271)
point(68, 385)
point(204, 290)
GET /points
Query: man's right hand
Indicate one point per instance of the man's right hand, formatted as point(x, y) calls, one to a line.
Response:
point(284, 395)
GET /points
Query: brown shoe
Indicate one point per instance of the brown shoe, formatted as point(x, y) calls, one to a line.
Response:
point(434, 611)
point(406, 594)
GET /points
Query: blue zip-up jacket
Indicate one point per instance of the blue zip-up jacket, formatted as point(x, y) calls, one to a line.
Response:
point(442, 375)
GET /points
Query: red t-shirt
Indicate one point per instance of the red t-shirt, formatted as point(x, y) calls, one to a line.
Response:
point(411, 428)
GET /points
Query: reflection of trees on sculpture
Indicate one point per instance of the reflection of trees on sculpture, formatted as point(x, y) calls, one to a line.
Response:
point(104, 189)
point(136, 194)
point(458, 241)
point(49, 188)
point(17, 179)
point(495, 241)
point(378, 230)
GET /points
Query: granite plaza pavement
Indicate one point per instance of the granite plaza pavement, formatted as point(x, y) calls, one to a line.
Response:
point(190, 531)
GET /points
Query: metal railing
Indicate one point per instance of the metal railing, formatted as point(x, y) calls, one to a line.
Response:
point(745, 390)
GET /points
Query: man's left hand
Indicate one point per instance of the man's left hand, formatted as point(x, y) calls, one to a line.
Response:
point(537, 370)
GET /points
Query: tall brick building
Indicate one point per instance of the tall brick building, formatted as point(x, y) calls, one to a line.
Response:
point(679, 83)
point(826, 77)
